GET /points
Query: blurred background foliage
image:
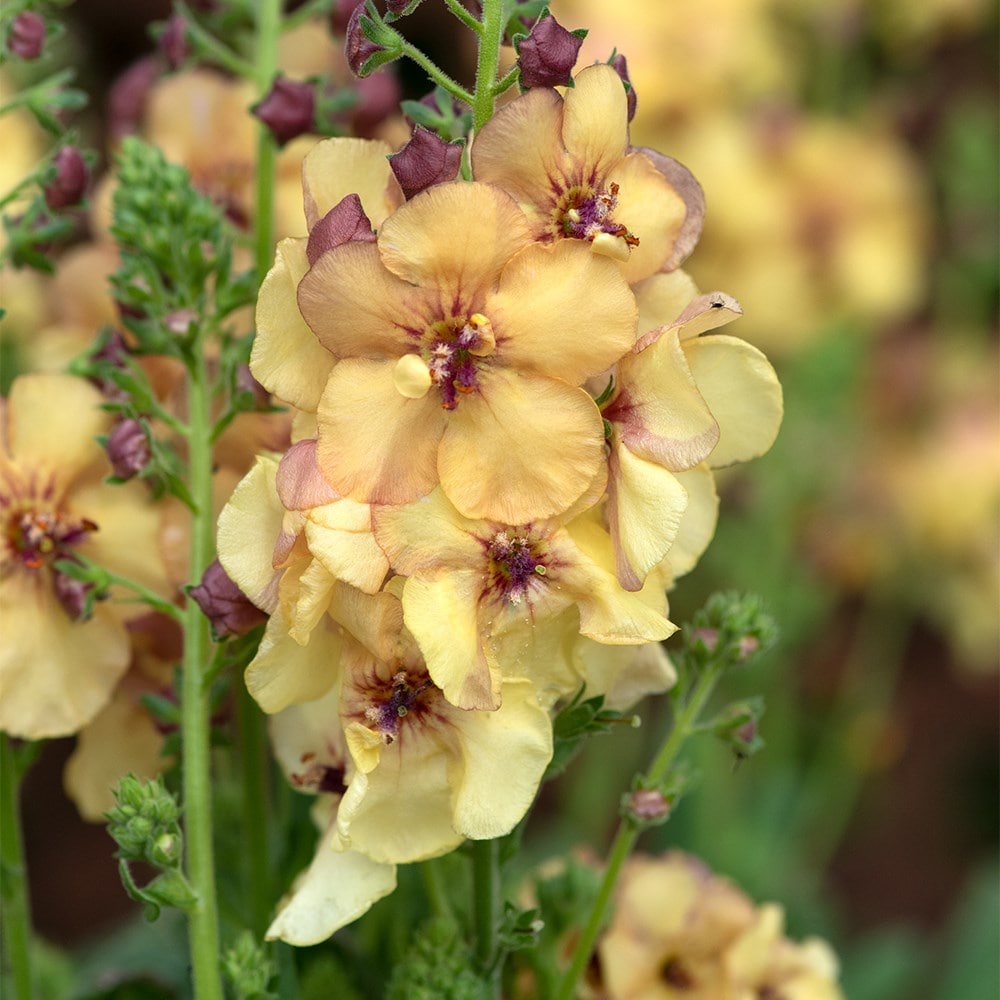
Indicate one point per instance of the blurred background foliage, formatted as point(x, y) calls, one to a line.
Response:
point(849, 153)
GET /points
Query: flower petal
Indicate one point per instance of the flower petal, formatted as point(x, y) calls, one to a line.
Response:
point(697, 526)
point(340, 536)
point(562, 311)
point(335, 168)
point(357, 308)
point(455, 237)
point(454, 655)
point(375, 445)
point(662, 298)
point(524, 448)
point(743, 393)
point(286, 358)
point(595, 120)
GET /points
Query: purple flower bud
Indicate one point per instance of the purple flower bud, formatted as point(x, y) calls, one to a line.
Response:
point(425, 160)
point(370, 43)
point(648, 805)
point(224, 604)
point(72, 595)
point(128, 448)
point(547, 56)
point(397, 6)
point(357, 46)
point(70, 182)
point(27, 35)
point(173, 41)
point(127, 97)
point(287, 109)
point(246, 382)
point(346, 222)
point(620, 66)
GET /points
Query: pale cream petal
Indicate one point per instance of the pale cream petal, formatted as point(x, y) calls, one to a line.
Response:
point(697, 526)
point(248, 527)
point(308, 735)
point(337, 167)
point(427, 535)
point(304, 593)
point(595, 121)
point(743, 393)
point(401, 811)
point(442, 614)
point(650, 208)
point(357, 308)
point(524, 448)
point(285, 673)
point(659, 412)
point(373, 620)
point(520, 149)
point(52, 423)
point(55, 674)
point(645, 506)
point(623, 674)
point(704, 313)
point(662, 298)
point(375, 445)
point(455, 237)
point(121, 739)
point(340, 536)
point(503, 757)
point(336, 889)
point(562, 311)
point(286, 358)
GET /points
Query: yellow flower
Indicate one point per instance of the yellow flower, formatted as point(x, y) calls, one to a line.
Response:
point(56, 673)
point(462, 345)
point(568, 164)
point(486, 579)
point(683, 402)
point(451, 773)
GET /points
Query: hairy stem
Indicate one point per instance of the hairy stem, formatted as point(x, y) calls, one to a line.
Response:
point(14, 885)
point(489, 60)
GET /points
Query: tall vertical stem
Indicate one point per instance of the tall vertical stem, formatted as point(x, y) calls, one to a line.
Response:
point(266, 63)
point(486, 66)
point(13, 877)
point(487, 905)
point(195, 704)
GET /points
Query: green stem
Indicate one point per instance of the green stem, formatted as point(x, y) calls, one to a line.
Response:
point(628, 832)
point(266, 63)
point(437, 74)
point(464, 16)
point(436, 894)
point(146, 596)
point(486, 906)
point(14, 887)
point(42, 90)
point(254, 785)
point(489, 60)
point(209, 45)
point(195, 702)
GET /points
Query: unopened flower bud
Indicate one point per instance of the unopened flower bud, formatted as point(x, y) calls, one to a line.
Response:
point(128, 95)
point(648, 805)
point(128, 448)
point(346, 222)
point(547, 56)
point(27, 35)
point(288, 109)
point(369, 44)
point(425, 160)
point(247, 383)
point(708, 637)
point(620, 66)
point(72, 595)
point(397, 6)
point(378, 98)
point(224, 604)
point(70, 182)
point(748, 645)
point(173, 42)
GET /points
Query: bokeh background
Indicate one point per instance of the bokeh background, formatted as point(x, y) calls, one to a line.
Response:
point(849, 154)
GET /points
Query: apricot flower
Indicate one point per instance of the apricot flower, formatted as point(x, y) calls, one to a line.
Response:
point(57, 673)
point(462, 344)
point(568, 163)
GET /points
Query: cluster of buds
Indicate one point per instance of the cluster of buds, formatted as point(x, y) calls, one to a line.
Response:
point(510, 401)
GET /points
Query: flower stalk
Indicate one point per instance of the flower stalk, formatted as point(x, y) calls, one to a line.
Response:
point(487, 907)
point(14, 888)
point(487, 63)
point(266, 65)
point(195, 706)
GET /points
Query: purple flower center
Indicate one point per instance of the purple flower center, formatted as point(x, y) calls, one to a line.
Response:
point(35, 537)
point(453, 351)
point(514, 565)
point(583, 213)
point(408, 696)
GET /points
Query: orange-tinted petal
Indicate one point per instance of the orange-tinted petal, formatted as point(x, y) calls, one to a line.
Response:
point(595, 120)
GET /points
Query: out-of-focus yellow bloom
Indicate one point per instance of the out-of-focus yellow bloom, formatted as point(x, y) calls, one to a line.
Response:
point(56, 673)
point(681, 933)
point(809, 221)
